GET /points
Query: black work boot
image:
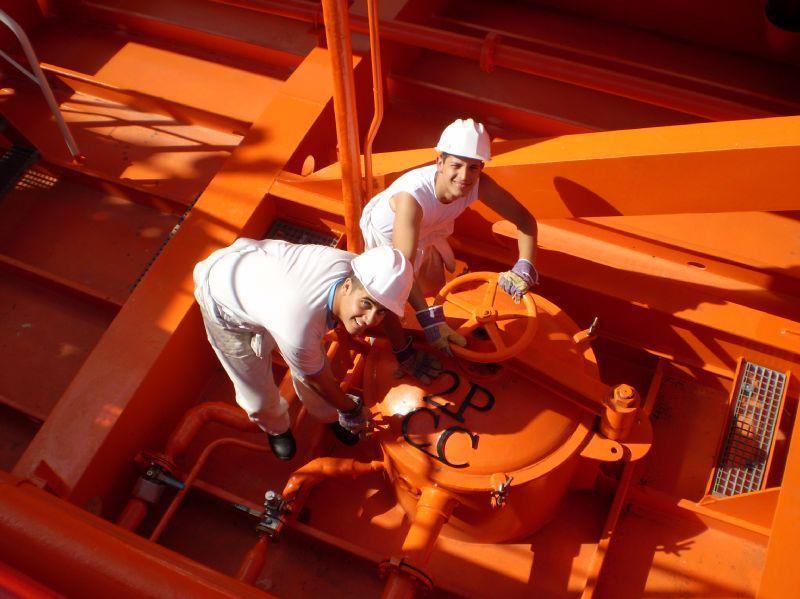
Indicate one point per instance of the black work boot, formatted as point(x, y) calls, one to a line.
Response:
point(344, 435)
point(282, 445)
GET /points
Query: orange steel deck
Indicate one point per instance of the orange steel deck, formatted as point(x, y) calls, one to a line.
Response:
point(657, 145)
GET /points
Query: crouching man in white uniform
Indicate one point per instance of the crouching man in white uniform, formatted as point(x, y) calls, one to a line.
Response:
point(416, 214)
point(258, 295)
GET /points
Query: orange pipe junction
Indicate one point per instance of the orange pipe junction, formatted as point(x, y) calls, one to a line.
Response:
point(433, 510)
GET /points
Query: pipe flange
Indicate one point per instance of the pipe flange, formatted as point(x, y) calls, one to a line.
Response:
point(146, 459)
point(400, 566)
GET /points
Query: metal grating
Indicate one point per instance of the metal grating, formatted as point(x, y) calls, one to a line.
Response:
point(747, 446)
point(293, 233)
point(13, 164)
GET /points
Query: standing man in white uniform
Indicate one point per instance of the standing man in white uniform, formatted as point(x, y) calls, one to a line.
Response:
point(416, 213)
point(258, 295)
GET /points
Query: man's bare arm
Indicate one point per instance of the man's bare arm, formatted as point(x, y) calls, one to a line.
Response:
point(506, 205)
point(327, 386)
point(405, 237)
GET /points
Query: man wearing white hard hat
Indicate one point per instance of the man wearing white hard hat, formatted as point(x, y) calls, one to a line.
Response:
point(416, 213)
point(259, 295)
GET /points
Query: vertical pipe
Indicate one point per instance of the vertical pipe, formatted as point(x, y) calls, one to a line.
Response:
point(254, 561)
point(433, 510)
point(377, 91)
point(337, 33)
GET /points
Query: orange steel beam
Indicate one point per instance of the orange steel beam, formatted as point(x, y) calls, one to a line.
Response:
point(142, 375)
point(81, 555)
point(672, 310)
point(700, 168)
point(526, 61)
point(781, 576)
point(337, 32)
point(595, 568)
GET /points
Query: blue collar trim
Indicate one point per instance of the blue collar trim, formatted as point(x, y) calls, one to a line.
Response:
point(329, 318)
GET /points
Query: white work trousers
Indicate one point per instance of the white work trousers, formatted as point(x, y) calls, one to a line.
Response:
point(247, 358)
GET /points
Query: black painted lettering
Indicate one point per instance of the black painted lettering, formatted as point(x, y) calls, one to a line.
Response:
point(406, 422)
point(441, 446)
point(472, 394)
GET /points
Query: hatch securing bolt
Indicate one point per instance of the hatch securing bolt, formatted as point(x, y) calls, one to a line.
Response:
point(586, 335)
point(500, 492)
point(622, 407)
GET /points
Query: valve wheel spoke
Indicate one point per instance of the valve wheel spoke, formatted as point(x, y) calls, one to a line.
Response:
point(491, 293)
point(509, 316)
point(468, 308)
point(468, 326)
point(494, 335)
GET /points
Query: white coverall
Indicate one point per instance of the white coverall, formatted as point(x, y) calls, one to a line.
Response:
point(377, 219)
point(256, 295)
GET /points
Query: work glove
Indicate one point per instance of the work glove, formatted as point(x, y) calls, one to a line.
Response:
point(419, 364)
point(517, 281)
point(356, 419)
point(437, 331)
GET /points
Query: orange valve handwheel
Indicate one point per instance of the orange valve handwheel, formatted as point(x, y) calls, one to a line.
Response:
point(486, 313)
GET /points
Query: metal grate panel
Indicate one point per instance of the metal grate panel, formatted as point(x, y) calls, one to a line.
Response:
point(293, 233)
point(13, 164)
point(747, 445)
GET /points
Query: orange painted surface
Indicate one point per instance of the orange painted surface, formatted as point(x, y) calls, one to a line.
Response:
point(656, 146)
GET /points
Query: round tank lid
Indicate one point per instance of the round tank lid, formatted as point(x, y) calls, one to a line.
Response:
point(462, 429)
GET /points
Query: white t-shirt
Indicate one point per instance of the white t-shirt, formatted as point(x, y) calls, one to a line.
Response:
point(277, 288)
point(377, 220)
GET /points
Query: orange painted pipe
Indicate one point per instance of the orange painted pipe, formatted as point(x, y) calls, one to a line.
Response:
point(377, 90)
point(337, 33)
point(254, 561)
point(198, 466)
point(303, 479)
point(132, 514)
point(433, 510)
point(197, 417)
point(136, 509)
point(15, 585)
point(81, 555)
point(317, 470)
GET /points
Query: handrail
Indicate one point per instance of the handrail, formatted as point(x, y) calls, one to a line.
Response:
point(337, 33)
point(377, 92)
point(38, 77)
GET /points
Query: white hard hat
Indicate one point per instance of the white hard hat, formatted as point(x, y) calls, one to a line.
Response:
point(465, 138)
point(386, 276)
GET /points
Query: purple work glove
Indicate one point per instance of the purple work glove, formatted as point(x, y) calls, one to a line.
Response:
point(437, 331)
point(421, 365)
point(356, 419)
point(517, 281)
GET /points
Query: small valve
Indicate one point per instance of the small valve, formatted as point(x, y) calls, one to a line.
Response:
point(151, 485)
point(161, 475)
point(271, 520)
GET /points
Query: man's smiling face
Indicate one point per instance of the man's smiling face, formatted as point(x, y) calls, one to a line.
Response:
point(357, 310)
point(456, 176)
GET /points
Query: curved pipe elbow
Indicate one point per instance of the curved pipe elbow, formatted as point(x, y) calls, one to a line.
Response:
point(197, 417)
